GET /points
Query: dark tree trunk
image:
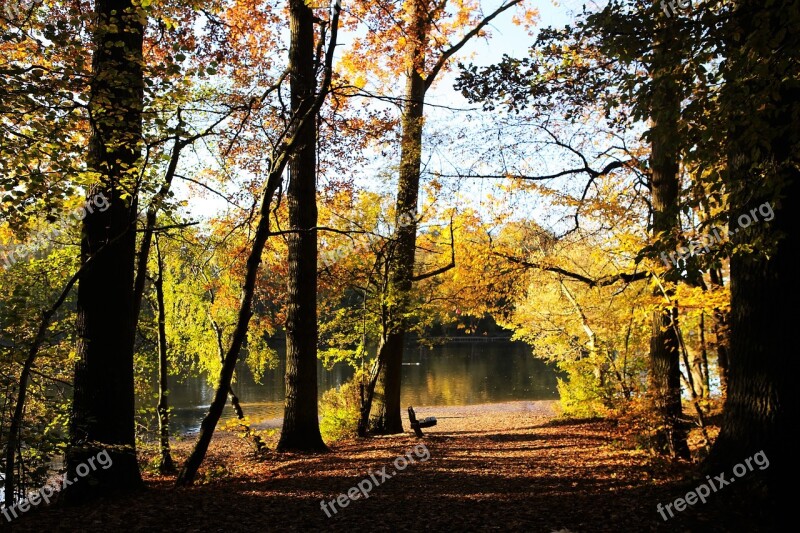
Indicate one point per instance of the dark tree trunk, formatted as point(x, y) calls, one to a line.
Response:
point(386, 418)
point(103, 401)
point(209, 424)
point(165, 465)
point(258, 442)
point(664, 386)
point(300, 430)
point(386, 396)
point(763, 102)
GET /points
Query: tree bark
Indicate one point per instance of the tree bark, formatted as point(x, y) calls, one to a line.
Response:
point(386, 417)
point(664, 386)
point(103, 401)
point(165, 465)
point(300, 431)
point(761, 408)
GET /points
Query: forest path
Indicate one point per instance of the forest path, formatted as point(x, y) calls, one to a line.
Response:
point(511, 466)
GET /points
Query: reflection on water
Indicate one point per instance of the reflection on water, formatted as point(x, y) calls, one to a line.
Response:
point(467, 374)
point(450, 374)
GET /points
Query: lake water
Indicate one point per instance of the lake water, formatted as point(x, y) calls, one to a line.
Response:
point(448, 374)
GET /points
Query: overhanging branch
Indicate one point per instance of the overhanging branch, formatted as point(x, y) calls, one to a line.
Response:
point(600, 282)
point(585, 169)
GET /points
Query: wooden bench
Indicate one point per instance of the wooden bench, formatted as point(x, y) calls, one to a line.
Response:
point(417, 425)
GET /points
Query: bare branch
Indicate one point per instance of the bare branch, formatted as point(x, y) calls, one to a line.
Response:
point(171, 226)
point(445, 57)
point(600, 282)
point(614, 165)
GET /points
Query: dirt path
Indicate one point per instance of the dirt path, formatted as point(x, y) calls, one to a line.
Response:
point(507, 467)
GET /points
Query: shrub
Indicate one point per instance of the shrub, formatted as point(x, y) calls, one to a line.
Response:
point(339, 411)
point(581, 397)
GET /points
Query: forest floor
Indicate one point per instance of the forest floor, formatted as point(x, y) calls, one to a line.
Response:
point(512, 466)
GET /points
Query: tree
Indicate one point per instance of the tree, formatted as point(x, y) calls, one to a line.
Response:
point(626, 59)
point(301, 419)
point(582, 310)
point(103, 401)
point(664, 388)
point(421, 67)
point(44, 75)
point(10, 484)
point(278, 163)
point(760, 103)
point(386, 415)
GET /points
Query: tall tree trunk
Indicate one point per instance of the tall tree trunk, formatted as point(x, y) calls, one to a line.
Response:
point(385, 418)
point(300, 430)
point(762, 100)
point(103, 401)
point(664, 385)
point(165, 464)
